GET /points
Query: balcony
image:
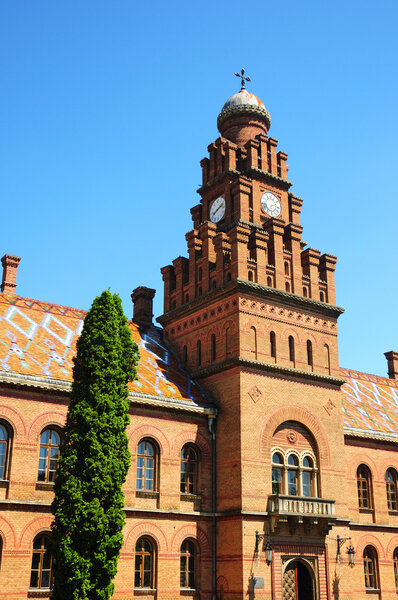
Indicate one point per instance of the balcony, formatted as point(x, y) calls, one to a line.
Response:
point(297, 510)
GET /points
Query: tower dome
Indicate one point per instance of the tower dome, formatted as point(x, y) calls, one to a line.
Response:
point(242, 117)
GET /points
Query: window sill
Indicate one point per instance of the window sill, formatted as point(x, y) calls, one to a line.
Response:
point(39, 593)
point(189, 591)
point(372, 590)
point(144, 591)
point(190, 498)
point(393, 512)
point(45, 485)
point(368, 511)
point(4, 483)
point(144, 494)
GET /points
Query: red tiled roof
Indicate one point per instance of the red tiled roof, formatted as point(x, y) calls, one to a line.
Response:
point(370, 402)
point(39, 338)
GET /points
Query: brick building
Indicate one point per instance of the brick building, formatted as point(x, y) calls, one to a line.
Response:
point(260, 467)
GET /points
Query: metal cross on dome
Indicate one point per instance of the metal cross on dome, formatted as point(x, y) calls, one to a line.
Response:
point(243, 78)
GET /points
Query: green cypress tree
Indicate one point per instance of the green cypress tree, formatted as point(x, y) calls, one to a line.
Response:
point(94, 457)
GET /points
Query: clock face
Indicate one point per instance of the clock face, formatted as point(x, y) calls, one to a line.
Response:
point(271, 204)
point(217, 210)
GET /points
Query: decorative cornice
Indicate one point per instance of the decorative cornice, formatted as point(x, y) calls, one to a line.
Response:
point(382, 436)
point(244, 109)
point(273, 368)
point(265, 292)
point(266, 176)
point(329, 310)
point(136, 398)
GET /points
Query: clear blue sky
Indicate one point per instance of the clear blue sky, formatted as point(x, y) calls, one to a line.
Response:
point(108, 107)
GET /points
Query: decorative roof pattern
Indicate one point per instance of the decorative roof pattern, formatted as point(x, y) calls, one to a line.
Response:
point(370, 402)
point(39, 339)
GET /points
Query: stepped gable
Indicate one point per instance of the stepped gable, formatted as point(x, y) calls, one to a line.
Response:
point(39, 339)
point(370, 403)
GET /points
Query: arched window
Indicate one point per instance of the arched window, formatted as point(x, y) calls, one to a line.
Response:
point(5, 442)
point(305, 292)
point(286, 268)
point(227, 342)
point(292, 475)
point(144, 563)
point(277, 470)
point(250, 275)
point(391, 489)
point(146, 466)
point(364, 485)
point(269, 281)
point(188, 565)
point(322, 297)
point(327, 357)
point(253, 342)
point(395, 560)
point(272, 344)
point(198, 353)
point(189, 470)
point(49, 452)
point(42, 563)
point(291, 348)
point(307, 477)
point(309, 353)
point(370, 568)
point(287, 286)
point(213, 347)
point(184, 354)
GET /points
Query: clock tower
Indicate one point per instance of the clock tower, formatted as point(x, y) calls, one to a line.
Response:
point(251, 313)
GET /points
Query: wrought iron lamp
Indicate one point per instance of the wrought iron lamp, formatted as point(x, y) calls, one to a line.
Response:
point(340, 543)
point(268, 547)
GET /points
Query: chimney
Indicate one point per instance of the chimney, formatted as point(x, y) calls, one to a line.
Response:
point(10, 265)
point(392, 360)
point(142, 298)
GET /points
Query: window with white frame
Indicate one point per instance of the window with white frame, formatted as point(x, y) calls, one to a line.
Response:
point(294, 474)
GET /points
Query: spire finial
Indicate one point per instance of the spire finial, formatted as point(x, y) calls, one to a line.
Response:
point(243, 78)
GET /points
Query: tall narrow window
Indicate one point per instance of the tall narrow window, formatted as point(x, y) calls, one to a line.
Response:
point(391, 489)
point(200, 274)
point(322, 297)
point(269, 281)
point(307, 477)
point(146, 466)
point(287, 286)
point(4, 451)
point(395, 559)
point(184, 354)
point(364, 487)
point(250, 275)
point(144, 563)
point(292, 475)
point(188, 562)
point(291, 348)
point(213, 347)
point(227, 342)
point(198, 353)
point(272, 343)
point(189, 470)
point(277, 470)
point(286, 268)
point(49, 452)
point(253, 342)
point(327, 358)
point(42, 562)
point(309, 353)
point(305, 292)
point(370, 568)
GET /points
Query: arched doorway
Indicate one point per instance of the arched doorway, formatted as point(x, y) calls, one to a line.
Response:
point(298, 582)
